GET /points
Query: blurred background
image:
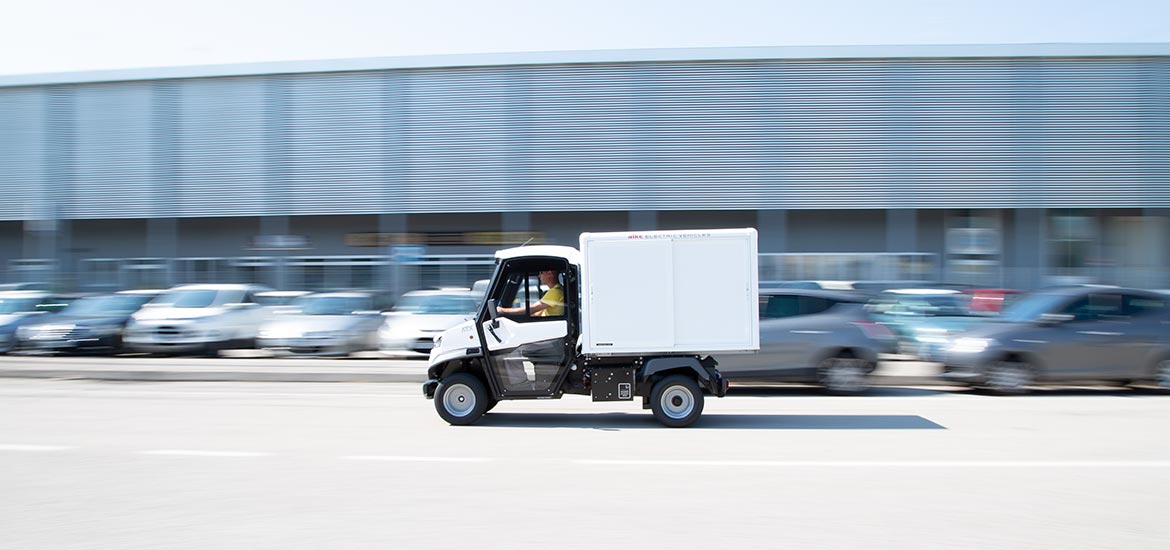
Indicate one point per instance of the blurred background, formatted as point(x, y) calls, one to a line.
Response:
point(1019, 166)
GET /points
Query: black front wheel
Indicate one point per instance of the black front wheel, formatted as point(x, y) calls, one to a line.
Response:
point(676, 401)
point(461, 399)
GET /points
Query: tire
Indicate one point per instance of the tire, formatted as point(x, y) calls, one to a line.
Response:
point(676, 401)
point(843, 375)
point(461, 399)
point(1162, 375)
point(1010, 377)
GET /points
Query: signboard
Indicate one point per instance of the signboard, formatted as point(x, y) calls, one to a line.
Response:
point(279, 242)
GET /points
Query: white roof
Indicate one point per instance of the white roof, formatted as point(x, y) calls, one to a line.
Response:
point(570, 254)
point(921, 291)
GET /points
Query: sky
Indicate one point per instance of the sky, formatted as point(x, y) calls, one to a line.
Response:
point(84, 35)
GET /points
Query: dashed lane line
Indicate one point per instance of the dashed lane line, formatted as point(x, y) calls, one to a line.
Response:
point(192, 452)
point(34, 448)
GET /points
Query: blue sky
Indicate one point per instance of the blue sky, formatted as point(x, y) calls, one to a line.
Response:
point(75, 35)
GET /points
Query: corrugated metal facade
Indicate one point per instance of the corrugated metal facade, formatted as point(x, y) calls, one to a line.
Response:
point(1029, 132)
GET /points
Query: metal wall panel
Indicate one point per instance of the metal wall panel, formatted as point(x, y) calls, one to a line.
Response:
point(1028, 132)
point(221, 168)
point(22, 154)
point(459, 144)
point(336, 144)
point(112, 154)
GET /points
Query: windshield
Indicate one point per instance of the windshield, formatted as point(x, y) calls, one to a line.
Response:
point(331, 305)
point(17, 305)
point(193, 298)
point(923, 304)
point(438, 304)
point(1031, 307)
point(106, 305)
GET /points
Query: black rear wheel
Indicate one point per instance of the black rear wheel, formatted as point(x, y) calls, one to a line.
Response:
point(676, 401)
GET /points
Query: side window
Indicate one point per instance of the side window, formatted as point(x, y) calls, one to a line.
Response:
point(535, 291)
point(811, 304)
point(1095, 307)
point(1138, 306)
point(781, 306)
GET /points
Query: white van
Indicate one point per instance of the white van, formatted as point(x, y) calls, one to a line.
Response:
point(198, 319)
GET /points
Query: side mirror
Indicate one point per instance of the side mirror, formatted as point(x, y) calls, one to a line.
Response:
point(491, 306)
point(1052, 319)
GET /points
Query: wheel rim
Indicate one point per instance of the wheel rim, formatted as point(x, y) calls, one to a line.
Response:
point(677, 402)
point(1164, 373)
point(459, 400)
point(844, 375)
point(1008, 375)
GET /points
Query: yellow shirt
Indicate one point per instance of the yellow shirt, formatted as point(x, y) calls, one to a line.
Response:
point(554, 300)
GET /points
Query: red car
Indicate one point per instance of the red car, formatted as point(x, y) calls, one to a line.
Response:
point(990, 300)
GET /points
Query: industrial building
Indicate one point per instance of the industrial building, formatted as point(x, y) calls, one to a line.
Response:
point(1001, 165)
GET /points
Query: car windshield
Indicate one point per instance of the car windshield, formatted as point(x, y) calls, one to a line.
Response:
point(923, 304)
point(1031, 307)
point(192, 298)
point(17, 305)
point(331, 305)
point(438, 304)
point(106, 305)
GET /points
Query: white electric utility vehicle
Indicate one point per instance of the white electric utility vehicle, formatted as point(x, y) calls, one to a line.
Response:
point(641, 313)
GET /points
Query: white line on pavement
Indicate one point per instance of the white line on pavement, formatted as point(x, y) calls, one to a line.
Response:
point(890, 463)
point(415, 458)
point(34, 448)
point(187, 452)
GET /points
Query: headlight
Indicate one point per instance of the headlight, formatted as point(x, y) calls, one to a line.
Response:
point(970, 345)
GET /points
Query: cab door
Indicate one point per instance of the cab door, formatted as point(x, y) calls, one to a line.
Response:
point(529, 350)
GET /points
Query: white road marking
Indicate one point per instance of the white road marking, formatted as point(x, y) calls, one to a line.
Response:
point(9, 447)
point(888, 463)
point(389, 458)
point(189, 452)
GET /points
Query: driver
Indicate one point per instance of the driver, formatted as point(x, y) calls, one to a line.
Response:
point(552, 304)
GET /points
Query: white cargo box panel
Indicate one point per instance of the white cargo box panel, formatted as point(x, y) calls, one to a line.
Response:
point(670, 292)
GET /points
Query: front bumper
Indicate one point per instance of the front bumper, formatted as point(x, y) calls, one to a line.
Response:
point(305, 346)
point(965, 368)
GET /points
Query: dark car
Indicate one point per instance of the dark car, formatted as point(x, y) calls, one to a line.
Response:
point(21, 307)
point(91, 323)
point(813, 336)
point(1067, 335)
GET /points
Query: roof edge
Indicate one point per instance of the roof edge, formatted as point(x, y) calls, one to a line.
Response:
point(1135, 49)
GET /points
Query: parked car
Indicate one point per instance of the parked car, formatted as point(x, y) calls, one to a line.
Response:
point(924, 318)
point(91, 323)
point(1067, 335)
point(991, 300)
point(19, 307)
point(813, 336)
point(420, 315)
point(197, 318)
point(326, 323)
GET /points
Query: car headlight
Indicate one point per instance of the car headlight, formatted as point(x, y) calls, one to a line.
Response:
point(970, 345)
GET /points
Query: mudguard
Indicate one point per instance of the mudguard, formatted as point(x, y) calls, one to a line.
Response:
point(704, 370)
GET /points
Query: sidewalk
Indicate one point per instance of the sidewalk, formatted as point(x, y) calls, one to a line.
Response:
point(245, 367)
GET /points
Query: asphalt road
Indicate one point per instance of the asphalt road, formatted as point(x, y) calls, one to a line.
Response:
point(251, 465)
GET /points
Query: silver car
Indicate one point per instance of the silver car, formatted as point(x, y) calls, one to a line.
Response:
point(410, 328)
point(1066, 335)
point(815, 337)
point(327, 323)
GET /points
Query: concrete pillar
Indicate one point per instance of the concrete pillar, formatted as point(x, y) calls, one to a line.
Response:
point(643, 220)
point(902, 230)
point(1031, 249)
